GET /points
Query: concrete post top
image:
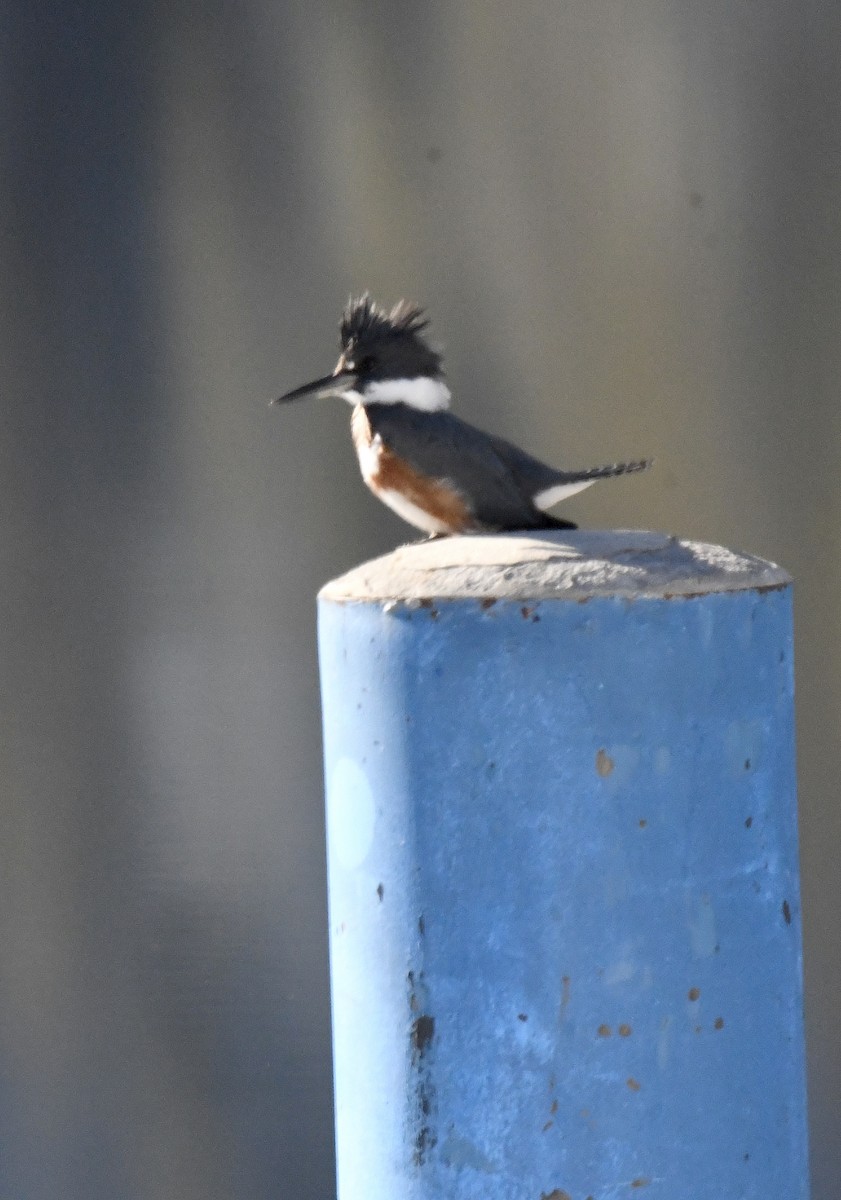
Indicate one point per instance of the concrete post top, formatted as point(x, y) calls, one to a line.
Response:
point(562, 565)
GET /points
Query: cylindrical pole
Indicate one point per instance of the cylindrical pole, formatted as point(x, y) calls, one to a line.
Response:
point(564, 911)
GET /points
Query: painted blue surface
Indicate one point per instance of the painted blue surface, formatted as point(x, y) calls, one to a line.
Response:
point(565, 926)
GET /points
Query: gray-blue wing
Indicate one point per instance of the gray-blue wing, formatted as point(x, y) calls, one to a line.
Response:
point(495, 477)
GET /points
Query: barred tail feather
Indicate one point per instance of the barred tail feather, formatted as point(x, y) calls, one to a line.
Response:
point(570, 482)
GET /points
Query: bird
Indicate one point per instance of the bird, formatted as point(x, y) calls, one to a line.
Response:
point(436, 471)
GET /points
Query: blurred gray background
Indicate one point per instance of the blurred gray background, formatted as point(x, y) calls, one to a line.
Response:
point(624, 219)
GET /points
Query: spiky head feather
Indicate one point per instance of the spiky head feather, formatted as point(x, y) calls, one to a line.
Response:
point(364, 320)
point(388, 344)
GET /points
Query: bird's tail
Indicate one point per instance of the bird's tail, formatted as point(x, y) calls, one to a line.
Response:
point(567, 483)
point(606, 472)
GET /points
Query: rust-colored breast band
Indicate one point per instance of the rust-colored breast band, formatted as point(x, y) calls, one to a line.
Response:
point(435, 496)
point(385, 471)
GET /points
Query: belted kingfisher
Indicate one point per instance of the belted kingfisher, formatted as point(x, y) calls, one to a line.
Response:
point(433, 469)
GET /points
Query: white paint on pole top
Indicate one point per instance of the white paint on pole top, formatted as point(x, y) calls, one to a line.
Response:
point(563, 565)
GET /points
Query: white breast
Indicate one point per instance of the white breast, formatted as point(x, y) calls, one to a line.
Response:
point(368, 454)
point(410, 512)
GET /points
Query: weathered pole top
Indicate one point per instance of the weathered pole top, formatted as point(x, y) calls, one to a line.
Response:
point(563, 565)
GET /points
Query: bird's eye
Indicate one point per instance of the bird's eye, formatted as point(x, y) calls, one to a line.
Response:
point(365, 363)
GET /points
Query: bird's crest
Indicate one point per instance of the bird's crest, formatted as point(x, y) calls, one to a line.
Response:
point(364, 319)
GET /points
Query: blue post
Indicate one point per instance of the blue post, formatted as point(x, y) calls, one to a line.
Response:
point(564, 911)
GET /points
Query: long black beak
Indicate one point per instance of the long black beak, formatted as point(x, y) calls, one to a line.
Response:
point(330, 385)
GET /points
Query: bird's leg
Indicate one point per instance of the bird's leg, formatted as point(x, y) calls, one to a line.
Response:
point(429, 537)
